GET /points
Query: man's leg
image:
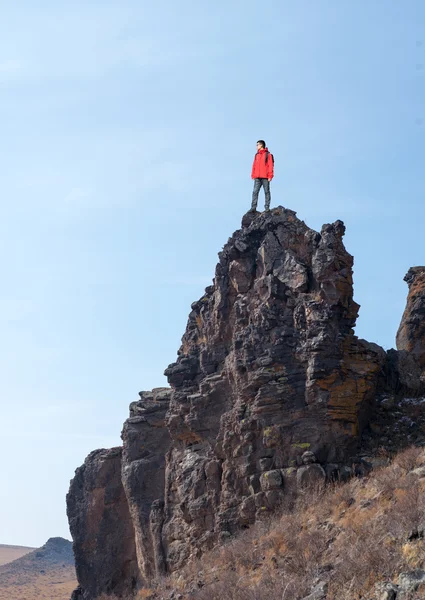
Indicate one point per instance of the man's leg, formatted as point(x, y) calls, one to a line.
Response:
point(266, 184)
point(256, 191)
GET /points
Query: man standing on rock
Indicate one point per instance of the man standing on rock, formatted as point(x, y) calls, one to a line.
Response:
point(262, 174)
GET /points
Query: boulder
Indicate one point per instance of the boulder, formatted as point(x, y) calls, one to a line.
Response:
point(409, 582)
point(319, 592)
point(271, 480)
point(310, 476)
point(308, 458)
point(386, 591)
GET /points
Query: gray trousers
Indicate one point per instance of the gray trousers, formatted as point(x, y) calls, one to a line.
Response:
point(257, 186)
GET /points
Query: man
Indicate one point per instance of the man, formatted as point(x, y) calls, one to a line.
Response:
point(262, 174)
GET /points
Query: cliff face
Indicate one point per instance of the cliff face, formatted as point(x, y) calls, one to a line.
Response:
point(101, 527)
point(146, 442)
point(270, 392)
point(269, 368)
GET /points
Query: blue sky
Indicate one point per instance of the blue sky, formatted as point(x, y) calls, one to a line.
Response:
point(127, 135)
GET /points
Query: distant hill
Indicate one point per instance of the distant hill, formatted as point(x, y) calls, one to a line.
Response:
point(46, 573)
point(10, 553)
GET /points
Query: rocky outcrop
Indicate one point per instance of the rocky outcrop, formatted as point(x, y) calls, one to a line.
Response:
point(145, 444)
point(411, 333)
point(269, 367)
point(54, 559)
point(101, 527)
point(407, 584)
point(270, 393)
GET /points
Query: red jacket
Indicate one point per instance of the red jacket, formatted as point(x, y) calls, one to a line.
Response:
point(261, 168)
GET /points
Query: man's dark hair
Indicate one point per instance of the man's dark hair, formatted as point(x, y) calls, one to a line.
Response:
point(262, 142)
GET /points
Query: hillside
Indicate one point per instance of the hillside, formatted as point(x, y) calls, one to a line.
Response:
point(11, 553)
point(45, 573)
point(360, 540)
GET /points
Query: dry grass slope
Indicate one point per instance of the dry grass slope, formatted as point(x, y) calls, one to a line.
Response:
point(347, 537)
point(47, 573)
point(57, 585)
point(11, 553)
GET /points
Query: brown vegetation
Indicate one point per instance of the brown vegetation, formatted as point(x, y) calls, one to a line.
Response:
point(46, 573)
point(349, 537)
point(54, 585)
point(10, 553)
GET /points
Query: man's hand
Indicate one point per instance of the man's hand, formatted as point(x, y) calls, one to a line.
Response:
point(269, 179)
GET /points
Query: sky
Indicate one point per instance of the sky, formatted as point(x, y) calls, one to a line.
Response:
point(128, 131)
